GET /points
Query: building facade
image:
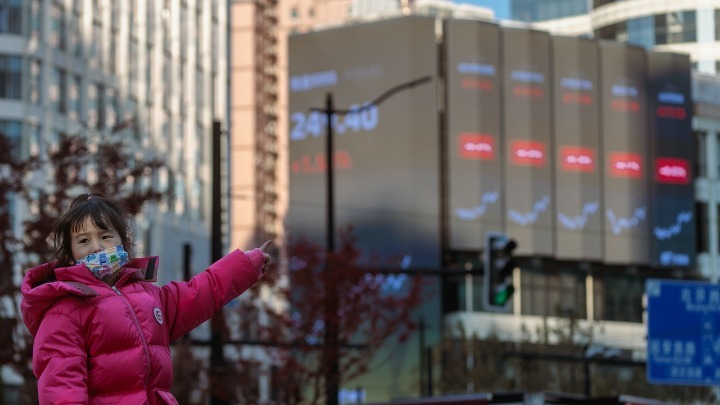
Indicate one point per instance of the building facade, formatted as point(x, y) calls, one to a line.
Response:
point(81, 67)
point(688, 27)
point(610, 298)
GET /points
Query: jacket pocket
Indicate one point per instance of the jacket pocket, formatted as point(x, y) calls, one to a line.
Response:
point(166, 397)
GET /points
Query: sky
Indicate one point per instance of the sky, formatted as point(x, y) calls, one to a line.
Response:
point(501, 8)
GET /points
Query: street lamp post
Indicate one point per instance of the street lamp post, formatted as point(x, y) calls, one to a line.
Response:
point(331, 350)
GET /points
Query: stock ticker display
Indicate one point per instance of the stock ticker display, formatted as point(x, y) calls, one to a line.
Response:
point(527, 176)
point(577, 193)
point(625, 139)
point(474, 164)
point(672, 234)
point(578, 149)
point(386, 164)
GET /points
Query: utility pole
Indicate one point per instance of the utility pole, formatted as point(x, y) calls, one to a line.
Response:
point(218, 366)
point(331, 357)
point(332, 352)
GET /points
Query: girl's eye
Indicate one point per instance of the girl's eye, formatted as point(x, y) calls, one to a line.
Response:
point(107, 237)
point(82, 241)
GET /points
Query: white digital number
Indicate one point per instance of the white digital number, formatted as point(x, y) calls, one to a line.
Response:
point(360, 118)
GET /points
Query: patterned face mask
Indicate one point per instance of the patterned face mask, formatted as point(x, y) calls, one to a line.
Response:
point(105, 263)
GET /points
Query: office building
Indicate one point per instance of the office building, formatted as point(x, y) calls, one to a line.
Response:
point(532, 10)
point(80, 67)
point(608, 296)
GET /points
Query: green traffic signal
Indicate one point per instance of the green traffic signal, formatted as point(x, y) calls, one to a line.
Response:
point(503, 296)
point(499, 264)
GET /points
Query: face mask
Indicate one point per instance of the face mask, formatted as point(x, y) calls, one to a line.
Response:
point(105, 263)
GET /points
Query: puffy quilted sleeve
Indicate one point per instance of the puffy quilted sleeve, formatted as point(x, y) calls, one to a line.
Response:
point(60, 361)
point(189, 304)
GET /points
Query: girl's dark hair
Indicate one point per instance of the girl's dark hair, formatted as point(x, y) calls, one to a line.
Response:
point(104, 214)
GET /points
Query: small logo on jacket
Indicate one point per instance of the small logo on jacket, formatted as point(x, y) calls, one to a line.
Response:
point(158, 315)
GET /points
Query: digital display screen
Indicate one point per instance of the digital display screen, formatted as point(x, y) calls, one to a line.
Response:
point(386, 155)
point(625, 153)
point(474, 141)
point(673, 157)
point(527, 174)
point(577, 163)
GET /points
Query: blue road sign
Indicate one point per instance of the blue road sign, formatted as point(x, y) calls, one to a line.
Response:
point(683, 332)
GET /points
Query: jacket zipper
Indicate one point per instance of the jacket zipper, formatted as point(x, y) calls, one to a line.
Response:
point(144, 342)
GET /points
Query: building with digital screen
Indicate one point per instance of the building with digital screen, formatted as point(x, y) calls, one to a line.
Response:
point(583, 151)
point(611, 294)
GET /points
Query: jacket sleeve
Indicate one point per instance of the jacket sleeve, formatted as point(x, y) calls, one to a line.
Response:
point(60, 361)
point(189, 304)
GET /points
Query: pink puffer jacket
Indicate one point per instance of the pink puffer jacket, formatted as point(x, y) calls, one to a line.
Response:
point(99, 345)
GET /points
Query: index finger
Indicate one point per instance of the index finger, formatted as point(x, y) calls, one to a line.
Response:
point(265, 245)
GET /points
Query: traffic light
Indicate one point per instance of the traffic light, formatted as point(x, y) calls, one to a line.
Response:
point(498, 266)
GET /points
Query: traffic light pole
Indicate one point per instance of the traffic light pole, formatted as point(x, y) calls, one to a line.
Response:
point(498, 267)
point(218, 365)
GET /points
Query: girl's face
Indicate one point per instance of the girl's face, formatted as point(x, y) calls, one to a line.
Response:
point(89, 239)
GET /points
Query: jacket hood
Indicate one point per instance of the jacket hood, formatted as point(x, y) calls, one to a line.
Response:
point(45, 284)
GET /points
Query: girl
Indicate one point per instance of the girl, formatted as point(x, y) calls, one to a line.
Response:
point(102, 329)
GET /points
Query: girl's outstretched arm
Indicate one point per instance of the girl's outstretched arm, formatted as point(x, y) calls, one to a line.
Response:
point(60, 361)
point(189, 304)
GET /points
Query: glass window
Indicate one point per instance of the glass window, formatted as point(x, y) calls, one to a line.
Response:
point(167, 77)
point(150, 20)
point(701, 149)
point(183, 31)
point(169, 189)
point(101, 107)
point(598, 3)
point(148, 75)
point(13, 131)
point(641, 32)
point(196, 200)
point(34, 138)
point(57, 27)
point(615, 32)
point(199, 94)
point(94, 52)
point(92, 105)
point(130, 114)
point(618, 298)
point(111, 107)
point(199, 30)
point(165, 130)
point(10, 77)
point(35, 18)
point(133, 67)
point(214, 45)
point(182, 69)
point(11, 17)
point(132, 19)
point(112, 51)
point(675, 27)
point(702, 227)
point(179, 195)
point(58, 90)
point(166, 29)
point(74, 97)
point(199, 151)
point(74, 37)
point(548, 290)
point(179, 143)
